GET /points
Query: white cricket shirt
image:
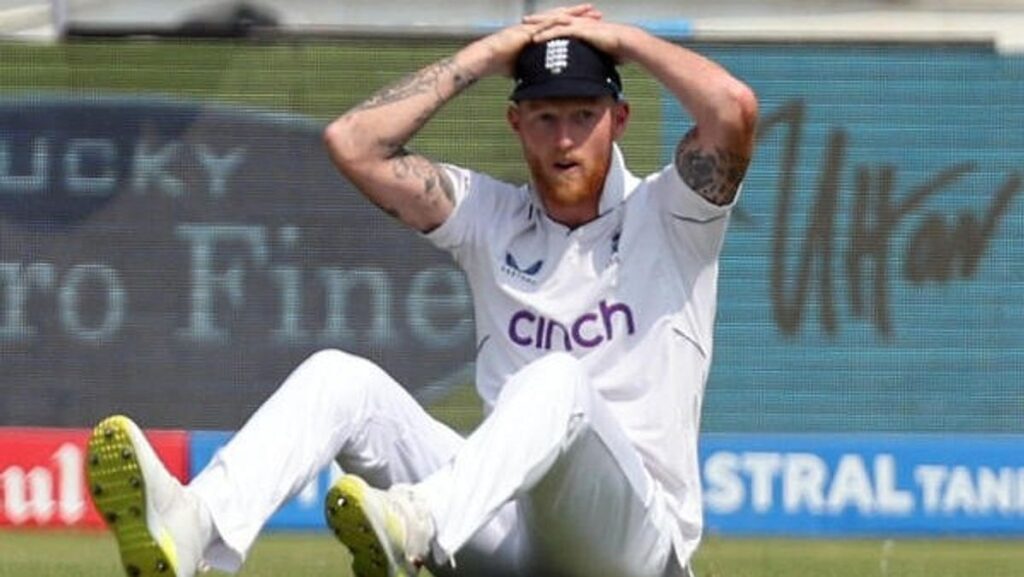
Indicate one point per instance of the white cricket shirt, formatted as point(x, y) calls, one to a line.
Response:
point(625, 293)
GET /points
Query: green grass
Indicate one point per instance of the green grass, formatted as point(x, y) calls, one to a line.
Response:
point(65, 554)
point(860, 558)
point(94, 554)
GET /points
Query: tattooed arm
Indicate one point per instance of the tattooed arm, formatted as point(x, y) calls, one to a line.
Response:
point(367, 143)
point(713, 157)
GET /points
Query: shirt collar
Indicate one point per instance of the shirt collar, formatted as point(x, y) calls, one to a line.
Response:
point(614, 184)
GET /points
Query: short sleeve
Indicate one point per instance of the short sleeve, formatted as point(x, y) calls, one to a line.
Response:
point(479, 199)
point(458, 226)
point(695, 225)
point(676, 197)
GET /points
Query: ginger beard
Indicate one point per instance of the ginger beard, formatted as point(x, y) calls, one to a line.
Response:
point(571, 179)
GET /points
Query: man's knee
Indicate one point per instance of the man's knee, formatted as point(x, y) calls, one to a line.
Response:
point(555, 385)
point(334, 372)
point(337, 362)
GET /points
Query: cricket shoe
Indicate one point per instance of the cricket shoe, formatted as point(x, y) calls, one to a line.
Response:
point(155, 520)
point(388, 532)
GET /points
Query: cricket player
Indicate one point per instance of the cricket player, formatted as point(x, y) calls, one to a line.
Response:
point(594, 295)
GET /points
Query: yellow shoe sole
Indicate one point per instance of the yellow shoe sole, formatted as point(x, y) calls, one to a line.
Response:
point(345, 510)
point(117, 488)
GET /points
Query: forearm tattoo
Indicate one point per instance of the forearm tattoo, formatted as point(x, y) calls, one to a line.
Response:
point(714, 174)
point(427, 80)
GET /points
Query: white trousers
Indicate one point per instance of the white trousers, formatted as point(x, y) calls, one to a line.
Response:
point(547, 485)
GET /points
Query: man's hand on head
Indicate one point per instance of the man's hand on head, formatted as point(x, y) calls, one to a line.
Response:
point(608, 37)
point(585, 10)
point(506, 44)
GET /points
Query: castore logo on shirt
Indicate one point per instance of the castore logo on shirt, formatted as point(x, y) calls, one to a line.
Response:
point(525, 274)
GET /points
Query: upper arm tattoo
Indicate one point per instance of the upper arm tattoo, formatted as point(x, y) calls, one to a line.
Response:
point(409, 165)
point(714, 174)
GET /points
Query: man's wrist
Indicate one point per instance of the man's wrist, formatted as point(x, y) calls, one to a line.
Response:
point(480, 58)
point(632, 40)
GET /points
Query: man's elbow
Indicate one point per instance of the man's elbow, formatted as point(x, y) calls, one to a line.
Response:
point(342, 145)
point(740, 109)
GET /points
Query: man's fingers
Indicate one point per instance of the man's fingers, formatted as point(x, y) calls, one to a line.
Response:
point(539, 27)
point(558, 30)
point(532, 28)
point(539, 18)
point(585, 11)
point(578, 11)
point(591, 12)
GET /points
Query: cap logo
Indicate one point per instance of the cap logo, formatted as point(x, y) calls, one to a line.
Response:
point(556, 55)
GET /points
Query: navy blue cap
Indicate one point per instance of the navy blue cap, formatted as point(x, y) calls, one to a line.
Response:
point(564, 68)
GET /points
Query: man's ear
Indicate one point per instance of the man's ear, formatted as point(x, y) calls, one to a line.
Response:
point(620, 119)
point(512, 115)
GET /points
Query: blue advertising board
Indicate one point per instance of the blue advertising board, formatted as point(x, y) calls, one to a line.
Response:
point(809, 485)
point(871, 278)
point(843, 485)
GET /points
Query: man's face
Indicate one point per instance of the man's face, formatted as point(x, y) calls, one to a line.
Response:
point(567, 143)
